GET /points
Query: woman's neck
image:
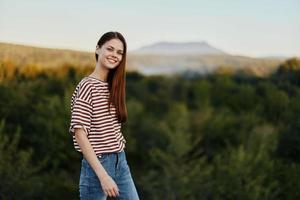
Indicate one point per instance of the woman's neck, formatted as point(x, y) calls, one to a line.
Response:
point(100, 73)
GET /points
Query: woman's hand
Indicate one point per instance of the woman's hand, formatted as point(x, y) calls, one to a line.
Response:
point(109, 186)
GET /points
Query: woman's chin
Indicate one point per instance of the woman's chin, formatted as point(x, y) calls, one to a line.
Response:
point(110, 66)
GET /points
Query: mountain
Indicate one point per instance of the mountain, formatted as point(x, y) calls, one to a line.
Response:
point(175, 48)
point(148, 64)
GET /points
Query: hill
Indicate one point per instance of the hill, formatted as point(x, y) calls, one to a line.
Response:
point(148, 64)
point(44, 57)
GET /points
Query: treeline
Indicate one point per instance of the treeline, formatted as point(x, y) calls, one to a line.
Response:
point(189, 137)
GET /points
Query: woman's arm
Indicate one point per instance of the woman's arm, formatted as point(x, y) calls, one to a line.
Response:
point(109, 187)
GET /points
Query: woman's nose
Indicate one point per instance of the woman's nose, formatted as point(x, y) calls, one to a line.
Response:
point(114, 54)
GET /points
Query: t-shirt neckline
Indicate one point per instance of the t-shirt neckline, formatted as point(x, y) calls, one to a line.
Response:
point(97, 79)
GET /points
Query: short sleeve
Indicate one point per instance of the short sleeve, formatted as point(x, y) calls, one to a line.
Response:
point(81, 110)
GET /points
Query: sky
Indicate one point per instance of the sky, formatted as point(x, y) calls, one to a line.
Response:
point(254, 28)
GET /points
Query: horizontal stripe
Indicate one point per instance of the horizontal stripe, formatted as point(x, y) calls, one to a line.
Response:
point(89, 110)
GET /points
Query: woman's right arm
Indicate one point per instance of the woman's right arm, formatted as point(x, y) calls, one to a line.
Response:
point(109, 187)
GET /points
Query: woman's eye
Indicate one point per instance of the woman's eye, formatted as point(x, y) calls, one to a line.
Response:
point(120, 53)
point(109, 49)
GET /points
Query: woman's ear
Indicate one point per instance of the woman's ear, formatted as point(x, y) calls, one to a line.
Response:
point(97, 49)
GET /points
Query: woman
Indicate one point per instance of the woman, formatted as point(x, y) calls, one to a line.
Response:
point(97, 111)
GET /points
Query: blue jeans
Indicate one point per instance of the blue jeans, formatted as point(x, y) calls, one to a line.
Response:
point(116, 166)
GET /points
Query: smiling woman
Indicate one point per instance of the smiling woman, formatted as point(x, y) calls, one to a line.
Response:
point(98, 110)
point(110, 55)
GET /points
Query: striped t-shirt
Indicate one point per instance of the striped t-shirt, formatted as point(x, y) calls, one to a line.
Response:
point(89, 110)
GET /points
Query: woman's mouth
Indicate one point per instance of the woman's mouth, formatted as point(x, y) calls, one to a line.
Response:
point(112, 61)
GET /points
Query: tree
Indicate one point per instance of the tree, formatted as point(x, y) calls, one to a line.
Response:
point(18, 175)
point(289, 71)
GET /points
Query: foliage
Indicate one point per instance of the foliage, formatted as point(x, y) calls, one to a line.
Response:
point(222, 136)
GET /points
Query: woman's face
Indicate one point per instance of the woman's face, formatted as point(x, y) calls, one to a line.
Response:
point(110, 54)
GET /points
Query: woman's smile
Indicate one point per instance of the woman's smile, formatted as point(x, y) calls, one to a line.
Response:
point(112, 61)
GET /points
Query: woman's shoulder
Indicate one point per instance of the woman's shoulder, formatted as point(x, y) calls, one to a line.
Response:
point(83, 88)
point(83, 85)
point(85, 82)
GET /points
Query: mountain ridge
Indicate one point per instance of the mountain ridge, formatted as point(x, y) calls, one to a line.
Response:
point(179, 48)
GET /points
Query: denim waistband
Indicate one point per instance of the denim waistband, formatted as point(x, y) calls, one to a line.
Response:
point(111, 153)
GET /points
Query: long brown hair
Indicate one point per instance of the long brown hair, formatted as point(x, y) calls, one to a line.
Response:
point(116, 78)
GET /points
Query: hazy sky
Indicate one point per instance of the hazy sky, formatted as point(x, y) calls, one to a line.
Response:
point(254, 28)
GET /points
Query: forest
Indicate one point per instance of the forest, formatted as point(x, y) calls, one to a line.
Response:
point(198, 137)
